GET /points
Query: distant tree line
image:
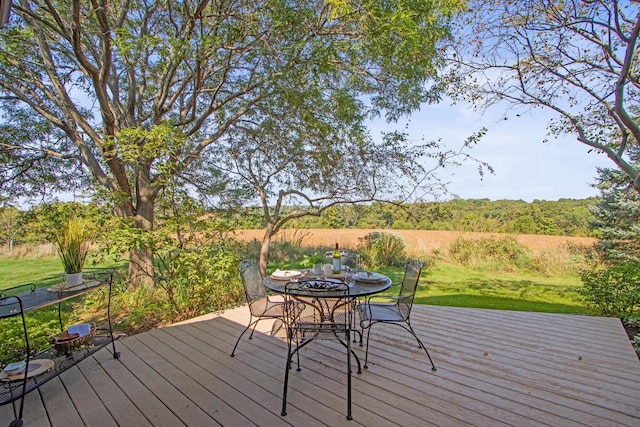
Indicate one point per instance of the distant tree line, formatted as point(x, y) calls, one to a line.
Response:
point(568, 217)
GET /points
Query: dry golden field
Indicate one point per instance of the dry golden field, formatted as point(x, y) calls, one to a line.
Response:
point(417, 241)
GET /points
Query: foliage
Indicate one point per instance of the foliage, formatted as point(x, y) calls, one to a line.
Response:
point(171, 86)
point(576, 59)
point(41, 325)
point(505, 252)
point(383, 250)
point(617, 217)
point(73, 241)
point(200, 281)
point(196, 268)
point(309, 261)
point(613, 290)
point(568, 217)
point(12, 224)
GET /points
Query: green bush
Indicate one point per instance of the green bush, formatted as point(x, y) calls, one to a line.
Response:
point(383, 250)
point(198, 280)
point(613, 290)
point(504, 253)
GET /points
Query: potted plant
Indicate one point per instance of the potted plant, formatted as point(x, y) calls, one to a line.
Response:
point(72, 242)
point(313, 261)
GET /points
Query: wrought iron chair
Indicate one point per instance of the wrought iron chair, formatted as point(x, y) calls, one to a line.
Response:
point(317, 309)
point(261, 304)
point(394, 309)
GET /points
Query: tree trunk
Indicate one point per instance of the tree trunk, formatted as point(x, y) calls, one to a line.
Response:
point(264, 250)
point(141, 272)
point(140, 268)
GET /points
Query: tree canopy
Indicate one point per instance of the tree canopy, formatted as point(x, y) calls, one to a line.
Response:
point(579, 59)
point(135, 96)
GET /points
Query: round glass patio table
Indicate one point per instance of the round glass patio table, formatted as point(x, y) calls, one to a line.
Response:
point(357, 288)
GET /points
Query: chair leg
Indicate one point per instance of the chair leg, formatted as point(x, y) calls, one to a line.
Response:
point(254, 329)
point(254, 323)
point(366, 353)
point(349, 417)
point(409, 329)
point(286, 381)
point(433, 367)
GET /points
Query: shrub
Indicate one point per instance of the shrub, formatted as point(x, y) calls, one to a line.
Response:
point(613, 290)
point(383, 250)
point(198, 280)
point(505, 253)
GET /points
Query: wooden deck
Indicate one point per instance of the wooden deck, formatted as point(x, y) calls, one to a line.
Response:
point(495, 368)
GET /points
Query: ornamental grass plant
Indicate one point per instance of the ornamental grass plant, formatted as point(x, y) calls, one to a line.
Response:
point(72, 241)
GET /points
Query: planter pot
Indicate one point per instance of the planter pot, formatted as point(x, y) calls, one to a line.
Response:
point(74, 279)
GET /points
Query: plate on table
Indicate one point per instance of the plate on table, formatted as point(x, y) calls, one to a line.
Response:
point(36, 367)
point(15, 368)
point(368, 277)
point(286, 274)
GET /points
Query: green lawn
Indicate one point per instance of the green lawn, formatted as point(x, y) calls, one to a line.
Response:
point(454, 285)
point(43, 271)
point(446, 284)
point(47, 271)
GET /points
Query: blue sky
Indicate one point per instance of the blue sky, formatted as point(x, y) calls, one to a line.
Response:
point(526, 168)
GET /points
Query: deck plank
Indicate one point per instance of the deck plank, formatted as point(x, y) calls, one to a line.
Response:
point(86, 402)
point(59, 405)
point(497, 368)
point(121, 408)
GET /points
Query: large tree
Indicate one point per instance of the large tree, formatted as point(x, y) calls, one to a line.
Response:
point(579, 59)
point(134, 94)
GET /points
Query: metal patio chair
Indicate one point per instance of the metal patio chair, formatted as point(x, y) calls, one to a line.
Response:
point(261, 304)
point(394, 310)
point(317, 309)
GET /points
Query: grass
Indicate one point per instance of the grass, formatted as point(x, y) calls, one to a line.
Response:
point(42, 271)
point(453, 285)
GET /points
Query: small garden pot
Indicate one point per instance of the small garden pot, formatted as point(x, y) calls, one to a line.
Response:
point(74, 279)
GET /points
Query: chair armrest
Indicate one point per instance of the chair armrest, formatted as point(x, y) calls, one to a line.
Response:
point(381, 298)
point(258, 295)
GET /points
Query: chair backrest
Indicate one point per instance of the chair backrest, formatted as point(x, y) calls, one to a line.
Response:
point(410, 280)
point(252, 281)
point(317, 309)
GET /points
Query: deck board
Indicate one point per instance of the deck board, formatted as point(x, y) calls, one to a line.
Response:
point(498, 368)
